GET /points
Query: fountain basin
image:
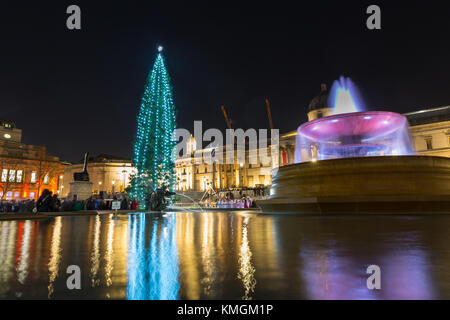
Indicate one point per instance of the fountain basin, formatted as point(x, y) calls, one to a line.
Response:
point(379, 184)
point(356, 134)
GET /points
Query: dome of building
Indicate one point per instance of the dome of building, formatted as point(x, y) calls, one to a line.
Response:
point(320, 101)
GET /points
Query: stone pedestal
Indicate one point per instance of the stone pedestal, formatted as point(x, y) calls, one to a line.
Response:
point(83, 190)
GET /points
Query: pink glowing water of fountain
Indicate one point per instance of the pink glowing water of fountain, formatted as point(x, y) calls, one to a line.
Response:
point(349, 132)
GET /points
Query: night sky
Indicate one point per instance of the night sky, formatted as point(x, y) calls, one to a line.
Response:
point(78, 91)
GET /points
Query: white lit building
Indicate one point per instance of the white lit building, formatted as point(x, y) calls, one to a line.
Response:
point(108, 174)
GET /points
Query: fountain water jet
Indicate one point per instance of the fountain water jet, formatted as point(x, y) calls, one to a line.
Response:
point(344, 96)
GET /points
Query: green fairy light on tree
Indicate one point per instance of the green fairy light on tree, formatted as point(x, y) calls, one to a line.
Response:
point(154, 146)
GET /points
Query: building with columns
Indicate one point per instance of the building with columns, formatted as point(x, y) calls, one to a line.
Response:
point(202, 169)
point(430, 129)
point(26, 170)
point(108, 174)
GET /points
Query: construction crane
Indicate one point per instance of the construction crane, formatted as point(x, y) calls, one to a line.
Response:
point(269, 114)
point(226, 117)
point(236, 172)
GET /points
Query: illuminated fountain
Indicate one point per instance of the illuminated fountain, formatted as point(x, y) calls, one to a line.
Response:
point(356, 161)
point(349, 133)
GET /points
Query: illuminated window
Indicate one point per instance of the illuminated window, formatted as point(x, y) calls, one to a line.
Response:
point(429, 143)
point(4, 175)
point(262, 179)
point(8, 195)
point(46, 179)
point(16, 194)
point(12, 175)
point(31, 195)
point(19, 176)
point(33, 177)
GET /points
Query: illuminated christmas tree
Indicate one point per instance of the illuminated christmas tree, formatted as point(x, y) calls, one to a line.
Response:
point(154, 146)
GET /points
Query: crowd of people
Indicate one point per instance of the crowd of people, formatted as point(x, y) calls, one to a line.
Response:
point(14, 206)
point(245, 202)
point(234, 198)
point(235, 193)
point(49, 202)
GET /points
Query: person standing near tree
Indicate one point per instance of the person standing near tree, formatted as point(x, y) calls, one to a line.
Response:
point(44, 201)
point(55, 203)
point(134, 204)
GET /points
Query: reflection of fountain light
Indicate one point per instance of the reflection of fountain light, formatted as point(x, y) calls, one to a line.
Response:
point(246, 270)
point(329, 275)
point(408, 276)
point(55, 254)
point(22, 269)
point(95, 255)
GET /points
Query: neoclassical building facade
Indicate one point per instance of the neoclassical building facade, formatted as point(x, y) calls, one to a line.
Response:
point(199, 171)
point(430, 130)
point(26, 170)
point(108, 174)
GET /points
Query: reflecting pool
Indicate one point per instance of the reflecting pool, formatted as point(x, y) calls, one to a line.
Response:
point(226, 255)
